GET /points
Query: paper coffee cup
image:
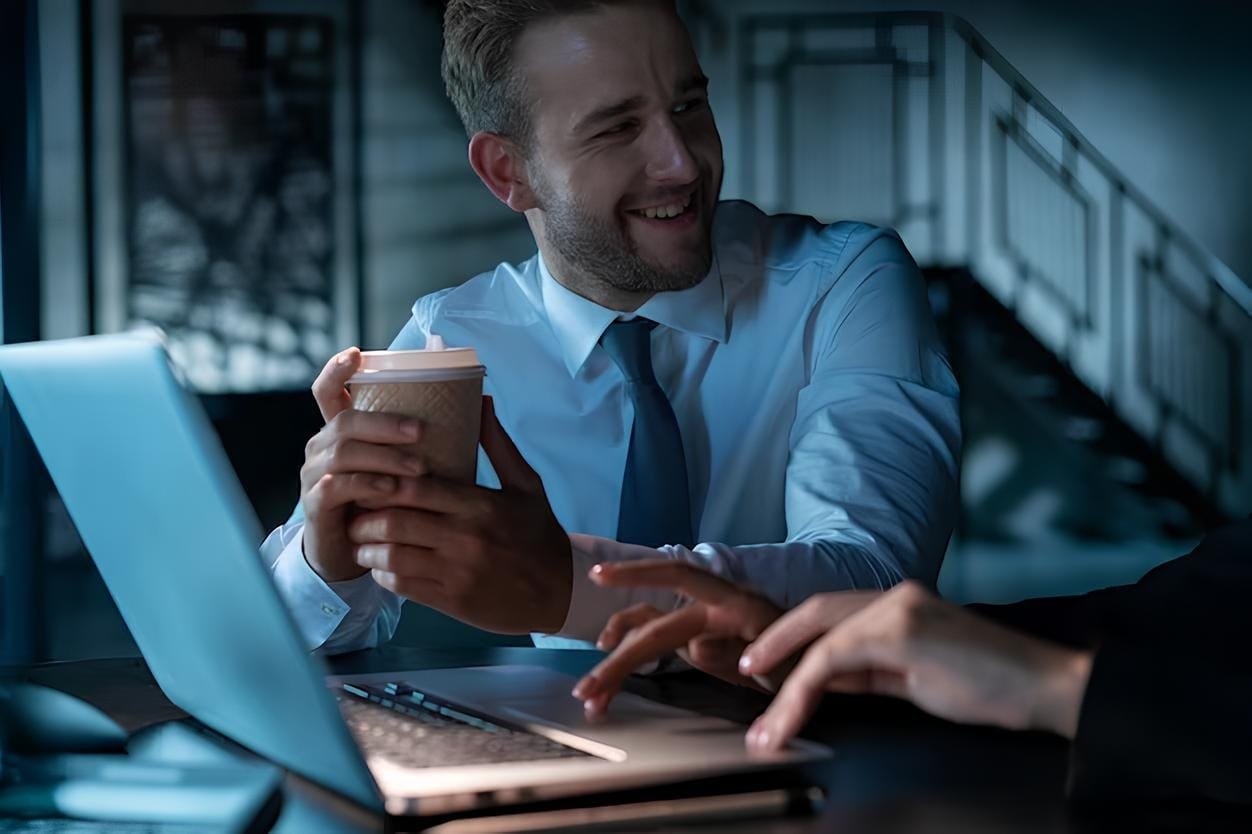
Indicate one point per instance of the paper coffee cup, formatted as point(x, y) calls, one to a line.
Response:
point(441, 387)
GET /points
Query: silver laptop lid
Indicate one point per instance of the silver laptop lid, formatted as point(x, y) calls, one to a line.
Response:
point(161, 512)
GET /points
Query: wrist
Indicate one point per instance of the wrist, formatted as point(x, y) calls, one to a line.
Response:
point(326, 574)
point(557, 614)
point(1061, 688)
point(563, 594)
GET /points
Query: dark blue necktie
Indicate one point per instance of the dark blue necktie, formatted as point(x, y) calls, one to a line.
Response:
point(656, 508)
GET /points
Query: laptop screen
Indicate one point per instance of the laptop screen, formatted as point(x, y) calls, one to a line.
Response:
point(163, 516)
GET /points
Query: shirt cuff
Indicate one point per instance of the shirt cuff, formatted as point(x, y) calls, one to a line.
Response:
point(591, 605)
point(317, 607)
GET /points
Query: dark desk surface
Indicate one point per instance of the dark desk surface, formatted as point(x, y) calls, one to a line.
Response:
point(895, 768)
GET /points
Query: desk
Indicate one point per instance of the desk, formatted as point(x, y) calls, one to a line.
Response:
point(896, 769)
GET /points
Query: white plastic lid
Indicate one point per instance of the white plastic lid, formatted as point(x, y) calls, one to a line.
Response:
point(435, 357)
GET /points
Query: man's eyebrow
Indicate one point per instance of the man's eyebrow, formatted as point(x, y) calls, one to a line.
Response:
point(602, 114)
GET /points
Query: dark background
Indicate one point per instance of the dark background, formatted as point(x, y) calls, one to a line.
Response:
point(1066, 487)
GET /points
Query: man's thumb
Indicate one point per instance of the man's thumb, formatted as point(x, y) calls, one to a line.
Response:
point(512, 469)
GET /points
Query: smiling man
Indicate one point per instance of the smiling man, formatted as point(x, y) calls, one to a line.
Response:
point(763, 396)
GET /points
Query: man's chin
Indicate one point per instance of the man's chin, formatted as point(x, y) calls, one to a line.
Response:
point(682, 270)
point(678, 277)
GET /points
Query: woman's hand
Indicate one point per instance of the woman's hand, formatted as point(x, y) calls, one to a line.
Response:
point(909, 643)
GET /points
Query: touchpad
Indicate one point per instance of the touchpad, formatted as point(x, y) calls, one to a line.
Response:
point(625, 709)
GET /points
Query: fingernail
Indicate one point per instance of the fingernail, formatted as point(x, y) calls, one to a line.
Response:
point(745, 663)
point(343, 359)
point(410, 428)
point(416, 465)
point(383, 483)
point(584, 687)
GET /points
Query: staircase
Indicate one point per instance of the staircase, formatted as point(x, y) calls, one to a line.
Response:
point(1088, 330)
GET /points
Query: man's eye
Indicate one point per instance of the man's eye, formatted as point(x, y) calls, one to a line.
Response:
point(616, 129)
point(689, 105)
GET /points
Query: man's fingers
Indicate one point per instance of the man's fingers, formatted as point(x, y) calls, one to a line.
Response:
point(417, 528)
point(400, 559)
point(428, 591)
point(625, 621)
point(330, 388)
point(440, 495)
point(369, 426)
point(720, 653)
point(360, 456)
point(800, 626)
point(718, 656)
point(648, 642)
point(512, 469)
point(666, 573)
point(331, 492)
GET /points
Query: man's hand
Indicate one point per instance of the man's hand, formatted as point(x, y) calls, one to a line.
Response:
point(496, 559)
point(710, 633)
point(357, 458)
point(910, 644)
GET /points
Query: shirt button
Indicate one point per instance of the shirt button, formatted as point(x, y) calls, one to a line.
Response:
point(329, 610)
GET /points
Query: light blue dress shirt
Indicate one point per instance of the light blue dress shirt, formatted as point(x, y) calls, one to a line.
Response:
point(818, 413)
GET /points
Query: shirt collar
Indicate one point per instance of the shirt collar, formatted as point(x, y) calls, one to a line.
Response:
point(580, 322)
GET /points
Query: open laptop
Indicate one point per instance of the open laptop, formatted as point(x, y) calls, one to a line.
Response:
point(159, 508)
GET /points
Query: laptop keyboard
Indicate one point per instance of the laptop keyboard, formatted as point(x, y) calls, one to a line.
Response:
point(414, 730)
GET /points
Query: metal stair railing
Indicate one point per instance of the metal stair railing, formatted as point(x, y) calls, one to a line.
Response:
point(913, 120)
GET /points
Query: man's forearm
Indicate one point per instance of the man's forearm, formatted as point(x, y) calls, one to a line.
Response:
point(787, 573)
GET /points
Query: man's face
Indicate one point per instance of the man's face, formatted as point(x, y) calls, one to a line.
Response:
point(625, 161)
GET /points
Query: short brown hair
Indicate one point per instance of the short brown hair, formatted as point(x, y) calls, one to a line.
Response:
point(478, 41)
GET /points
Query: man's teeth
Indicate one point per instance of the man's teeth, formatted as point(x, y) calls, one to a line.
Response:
point(665, 212)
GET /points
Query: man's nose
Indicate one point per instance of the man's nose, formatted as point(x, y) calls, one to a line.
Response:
point(669, 157)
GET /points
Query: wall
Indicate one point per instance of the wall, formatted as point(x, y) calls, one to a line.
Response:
point(429, 222)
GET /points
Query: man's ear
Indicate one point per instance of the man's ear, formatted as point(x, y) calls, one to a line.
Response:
point(499, 164)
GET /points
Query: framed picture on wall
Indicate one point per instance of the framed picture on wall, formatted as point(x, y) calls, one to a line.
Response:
point(224, 171)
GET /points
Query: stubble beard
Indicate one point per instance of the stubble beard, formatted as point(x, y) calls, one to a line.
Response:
point(602, 252)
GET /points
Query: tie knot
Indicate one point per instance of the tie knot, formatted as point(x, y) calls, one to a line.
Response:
point(629, 344)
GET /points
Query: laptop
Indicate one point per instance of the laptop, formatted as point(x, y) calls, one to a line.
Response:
point(163, 516)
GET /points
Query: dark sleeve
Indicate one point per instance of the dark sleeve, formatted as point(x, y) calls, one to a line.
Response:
point(1189, 599)
point(1166, 722)
point(1167, 712)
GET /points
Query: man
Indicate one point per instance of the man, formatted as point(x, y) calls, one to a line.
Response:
point(1139, 678)
point(762, 396)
